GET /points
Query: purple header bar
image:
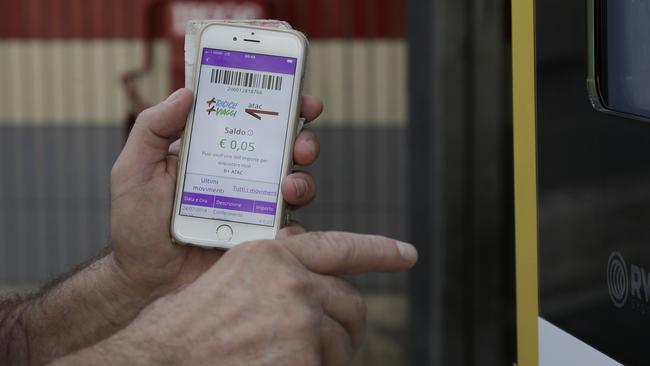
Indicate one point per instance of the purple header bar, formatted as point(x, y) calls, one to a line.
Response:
point(195, 199)
point(264, 208)
point(228, 203)
point(234, 204)
point(249, 61)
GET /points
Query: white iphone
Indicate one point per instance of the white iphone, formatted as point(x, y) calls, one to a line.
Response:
point(238, 143)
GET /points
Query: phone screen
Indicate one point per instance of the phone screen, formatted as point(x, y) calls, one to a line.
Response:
point(240, 127)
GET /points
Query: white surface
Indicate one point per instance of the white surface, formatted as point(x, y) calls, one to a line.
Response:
point(559, 348)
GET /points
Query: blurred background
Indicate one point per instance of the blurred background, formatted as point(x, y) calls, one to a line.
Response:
point(416, 145)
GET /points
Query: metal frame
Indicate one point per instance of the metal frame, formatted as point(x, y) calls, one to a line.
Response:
point(525, 155)
point(593, 80)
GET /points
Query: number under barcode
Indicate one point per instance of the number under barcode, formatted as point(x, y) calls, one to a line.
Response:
point(246, 79)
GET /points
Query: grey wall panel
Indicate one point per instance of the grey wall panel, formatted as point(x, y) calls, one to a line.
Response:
point(54, 198)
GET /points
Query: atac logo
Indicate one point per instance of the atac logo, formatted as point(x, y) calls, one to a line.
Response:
point(628, 284)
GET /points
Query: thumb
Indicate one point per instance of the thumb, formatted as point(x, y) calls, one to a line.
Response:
point(156, 129)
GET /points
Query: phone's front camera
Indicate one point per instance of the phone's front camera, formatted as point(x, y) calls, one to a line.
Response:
point(234, 38)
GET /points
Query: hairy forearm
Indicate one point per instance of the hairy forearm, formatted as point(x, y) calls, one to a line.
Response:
point(75, 313)
point(108, 353)
point(140, 343)
point(14, 343)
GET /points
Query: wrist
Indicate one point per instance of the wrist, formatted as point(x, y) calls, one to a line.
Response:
point(122, 298)
point(143, 342)
point(149, 274)
point(112, 351)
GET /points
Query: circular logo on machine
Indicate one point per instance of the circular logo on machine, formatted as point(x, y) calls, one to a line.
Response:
point(617, 279)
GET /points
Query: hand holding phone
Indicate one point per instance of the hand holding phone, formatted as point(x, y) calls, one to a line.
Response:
point(238, 143)
point(143, 181)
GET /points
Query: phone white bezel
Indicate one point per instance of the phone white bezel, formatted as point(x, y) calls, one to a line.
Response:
point(275, 42)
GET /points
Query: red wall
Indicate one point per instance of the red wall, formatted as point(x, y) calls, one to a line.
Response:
point(126, 18)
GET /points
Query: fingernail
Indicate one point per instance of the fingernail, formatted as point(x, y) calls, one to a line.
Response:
point(173, 96)
point(301, 188)
point(407, 251)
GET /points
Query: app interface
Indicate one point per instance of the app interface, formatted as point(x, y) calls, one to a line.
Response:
point(240, 127)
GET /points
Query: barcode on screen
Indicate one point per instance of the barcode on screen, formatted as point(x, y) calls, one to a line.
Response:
point(246, 79)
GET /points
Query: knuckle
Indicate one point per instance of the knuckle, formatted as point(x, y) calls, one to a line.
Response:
point(299, 321)
point(334, 238)
point(329, 240)
point(318, 236)
point(295, 284)
point(340, 244)
point(145, 115)
point(287, 277)
point(304, 319)
point(355, 300)
point(334, 243)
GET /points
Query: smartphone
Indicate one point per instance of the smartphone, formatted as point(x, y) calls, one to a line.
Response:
point(238, 143)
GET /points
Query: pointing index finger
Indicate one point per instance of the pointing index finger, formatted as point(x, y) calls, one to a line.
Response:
point(334, 253)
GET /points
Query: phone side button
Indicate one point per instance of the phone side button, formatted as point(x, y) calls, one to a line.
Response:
point(224, 233)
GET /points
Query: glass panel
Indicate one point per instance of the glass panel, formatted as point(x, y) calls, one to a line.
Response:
point(625, 56)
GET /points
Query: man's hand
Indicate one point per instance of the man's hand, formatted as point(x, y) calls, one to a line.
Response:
point(143, 183)
point(263, 303)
